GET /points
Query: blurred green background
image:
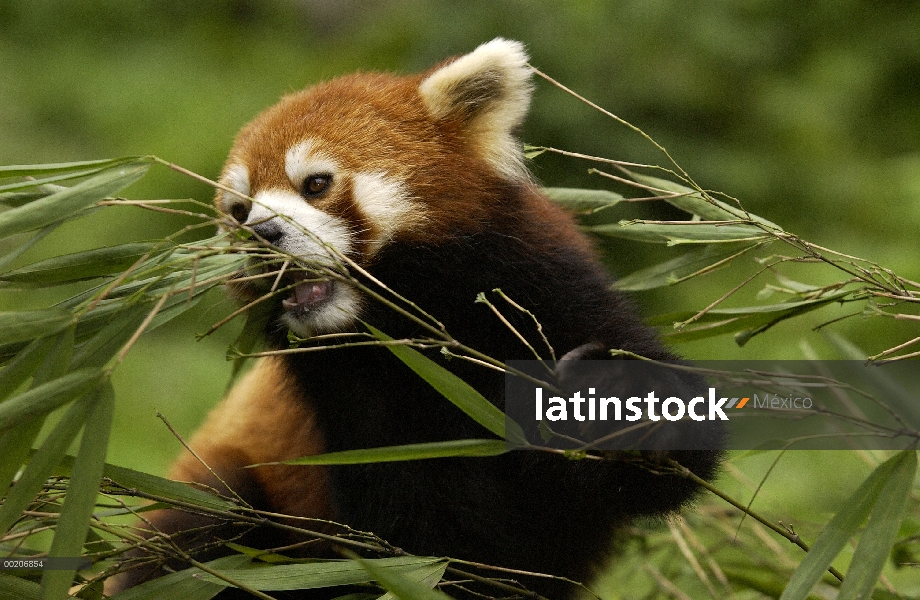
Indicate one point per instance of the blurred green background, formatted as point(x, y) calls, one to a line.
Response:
point(807, 112)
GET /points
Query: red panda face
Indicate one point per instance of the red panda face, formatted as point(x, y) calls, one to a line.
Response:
point(345, 168)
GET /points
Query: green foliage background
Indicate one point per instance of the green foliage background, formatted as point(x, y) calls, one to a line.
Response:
point(807, 112)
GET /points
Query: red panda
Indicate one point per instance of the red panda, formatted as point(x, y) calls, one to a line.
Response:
point(421, 182)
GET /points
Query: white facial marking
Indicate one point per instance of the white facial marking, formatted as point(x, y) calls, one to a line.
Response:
point(307, 233)
point(235, 177)
point(385, 202)
point(301, 161)
point(306, 230)
point(334, 315)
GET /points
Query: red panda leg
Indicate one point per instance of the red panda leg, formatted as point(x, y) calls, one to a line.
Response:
point(261, 420)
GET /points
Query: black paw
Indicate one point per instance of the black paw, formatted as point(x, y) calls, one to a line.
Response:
point(615, 404)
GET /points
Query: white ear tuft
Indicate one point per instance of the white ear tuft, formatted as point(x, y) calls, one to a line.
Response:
point(488, 92)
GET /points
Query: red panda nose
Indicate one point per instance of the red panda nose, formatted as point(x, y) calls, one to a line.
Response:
point(270, 231)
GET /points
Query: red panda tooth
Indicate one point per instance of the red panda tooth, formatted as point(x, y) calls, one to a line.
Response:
point(306, 295)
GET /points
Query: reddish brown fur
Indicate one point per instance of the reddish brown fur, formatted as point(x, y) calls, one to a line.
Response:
point(376, 122)
point(262, 420)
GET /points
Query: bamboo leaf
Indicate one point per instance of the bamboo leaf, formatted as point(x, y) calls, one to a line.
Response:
point(839, 530)
point(168, 278)
point(154, 485)
point(48, 396)
point(584, 201)
point(898, 394)
point(694, 261)
point(406, 452)
point(429, 576)
point(459, 392)
point(745, 322)
point(15, 445)
point(20, 198)
point(31, 240)
point(79, 266)
point(710, 329)
point(879, 535)
point(16, 442)
point(56, 362)
point(99, 348)
point(721, 314)
point(17, 588)
point(312, 575)
point(73, 523)
point(42, 464)
point(717, 314)
point(147, 292)
point(531, 152)
point(684, 232)
point(68, 201)
point(399, 585)
point(796, 286)
point(46, 185)
point(185, 585)
point(21, 325)
point(26, 362)
point(33, 170)
point(262, 555)
point(177, 305)
point(691, 201)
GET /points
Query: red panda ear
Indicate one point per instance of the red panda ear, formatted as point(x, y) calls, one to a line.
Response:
point(488, 92)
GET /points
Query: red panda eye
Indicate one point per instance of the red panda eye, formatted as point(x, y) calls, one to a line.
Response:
point(239, 212)
point(316, 184)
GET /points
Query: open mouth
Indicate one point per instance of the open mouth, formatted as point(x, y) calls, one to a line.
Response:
point(307, 294)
